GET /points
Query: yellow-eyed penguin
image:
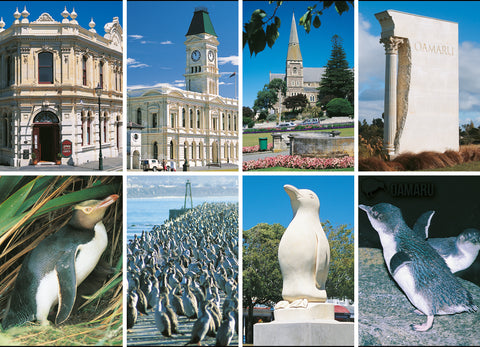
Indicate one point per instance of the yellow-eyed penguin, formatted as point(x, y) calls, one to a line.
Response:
point(52, 271)
point(417, 268)
point(304, 252)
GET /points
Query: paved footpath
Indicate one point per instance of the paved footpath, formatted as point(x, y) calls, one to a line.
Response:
point(109, 164)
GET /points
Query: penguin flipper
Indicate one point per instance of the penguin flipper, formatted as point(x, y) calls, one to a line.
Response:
point(398, 260)
point(423, 223)
point(67, 282)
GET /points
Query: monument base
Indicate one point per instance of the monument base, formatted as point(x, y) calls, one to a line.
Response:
point(319, 332)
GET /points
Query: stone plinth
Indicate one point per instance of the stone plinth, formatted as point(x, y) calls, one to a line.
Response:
point(321, 145)
point(421, 83)
point(313, 325)
point(279, 144)
point(318, 332)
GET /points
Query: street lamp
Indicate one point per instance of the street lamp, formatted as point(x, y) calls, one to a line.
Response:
point(98, 91)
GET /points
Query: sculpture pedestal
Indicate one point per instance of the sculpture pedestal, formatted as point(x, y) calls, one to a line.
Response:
point(310, 326)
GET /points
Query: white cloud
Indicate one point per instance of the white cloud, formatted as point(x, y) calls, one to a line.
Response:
point(136, 37)
point(233, 59)
point(131, 62)
point(175, 84)
point(168, 42)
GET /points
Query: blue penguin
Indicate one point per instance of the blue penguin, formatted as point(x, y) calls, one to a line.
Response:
point(416, 267)
point(52, 271)
point(304, 252)
point(458, 252)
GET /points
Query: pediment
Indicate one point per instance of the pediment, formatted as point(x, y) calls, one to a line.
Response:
point(45, 18)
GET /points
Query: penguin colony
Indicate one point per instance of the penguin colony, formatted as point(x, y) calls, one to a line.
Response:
point(53, 270)
point(416, 266)
point(185, 273)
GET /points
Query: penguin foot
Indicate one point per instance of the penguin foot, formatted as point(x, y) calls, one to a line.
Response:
point(425, 326)
point(420, 313)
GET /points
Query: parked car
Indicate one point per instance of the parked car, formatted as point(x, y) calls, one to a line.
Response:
point(286, 125)
point(151, 164)
point(310, 121)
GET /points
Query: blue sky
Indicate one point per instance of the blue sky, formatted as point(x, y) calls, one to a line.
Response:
point(265, 200)
point(156, 36)
point(101, 11)
point(315, 46)
point(372, 55)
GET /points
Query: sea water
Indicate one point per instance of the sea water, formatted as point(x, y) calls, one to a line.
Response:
point(144, 213)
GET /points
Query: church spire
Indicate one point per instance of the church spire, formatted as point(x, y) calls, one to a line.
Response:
point(293, 44)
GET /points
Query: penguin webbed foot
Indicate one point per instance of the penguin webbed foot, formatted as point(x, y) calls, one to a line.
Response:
point(423, 327)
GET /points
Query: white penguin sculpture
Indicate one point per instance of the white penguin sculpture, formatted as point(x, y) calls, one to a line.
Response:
point(304, 252)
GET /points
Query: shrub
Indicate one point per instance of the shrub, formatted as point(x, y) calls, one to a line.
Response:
point(298, 162)
point(339, 107)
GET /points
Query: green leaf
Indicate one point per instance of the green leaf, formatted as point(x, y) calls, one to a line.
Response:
point(7, 185)
point(341, 6)
point(258, 15)
point(9, 207)
point(277, 22)
point(316, 22)
point(259, 41)
point(271, 34)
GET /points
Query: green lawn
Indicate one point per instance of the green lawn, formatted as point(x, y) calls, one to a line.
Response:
point(280, 168)
point(252, 139)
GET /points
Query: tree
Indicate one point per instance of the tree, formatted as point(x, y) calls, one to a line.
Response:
point(339, 107)
point(262, 279)
point(248, 117)
point(295, 102)
point(265, 100)
point(262, 30)
point(340, 280)
point(338, 78)
point(278, 85)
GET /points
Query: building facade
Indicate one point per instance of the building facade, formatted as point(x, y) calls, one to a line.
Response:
point(299, 79)
point(49, 108)
point(195, 125)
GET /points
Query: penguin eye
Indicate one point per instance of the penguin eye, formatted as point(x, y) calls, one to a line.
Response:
point(87, 210)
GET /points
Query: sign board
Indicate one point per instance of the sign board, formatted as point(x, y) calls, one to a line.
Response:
point(66, 148)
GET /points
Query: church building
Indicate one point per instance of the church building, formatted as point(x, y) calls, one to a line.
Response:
point(299, 79)
point(60, 90)
point(195, 125)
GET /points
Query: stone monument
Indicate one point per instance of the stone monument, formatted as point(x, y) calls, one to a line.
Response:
point(304, 318)
point(421, 83)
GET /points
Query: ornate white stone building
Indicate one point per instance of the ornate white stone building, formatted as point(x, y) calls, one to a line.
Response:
point(49, 70)
point(196, 125)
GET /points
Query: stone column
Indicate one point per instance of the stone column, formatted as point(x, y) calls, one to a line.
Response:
point(391, 44)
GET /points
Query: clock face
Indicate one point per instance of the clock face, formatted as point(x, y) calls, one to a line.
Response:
point(195, 55)
point(211, 56)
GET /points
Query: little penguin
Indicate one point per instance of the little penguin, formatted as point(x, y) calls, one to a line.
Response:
point(417, 268)
point(458, 252)
point(304, 252)
point(52, 271)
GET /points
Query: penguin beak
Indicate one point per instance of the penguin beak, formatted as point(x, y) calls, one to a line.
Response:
point(108, 201)
point(291, 191)
point(366, 208)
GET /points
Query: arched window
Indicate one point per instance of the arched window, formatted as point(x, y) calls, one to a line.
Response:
point(172, 150)
point(191, 118)
point(84, 70)
point(294, 70)
point(101, 74)
point(234, 123)
point(105, 121)
point(139, 116)
point(172, 120)
point(183, 117)
point(154, 120)
point(9, 70)
point(45, 68)
point(198, 119)
point(185, 150)
point(83, 128)
point(155, 150)
point(89, 125)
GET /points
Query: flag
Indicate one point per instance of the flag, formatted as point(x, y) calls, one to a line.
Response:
point(233, 74)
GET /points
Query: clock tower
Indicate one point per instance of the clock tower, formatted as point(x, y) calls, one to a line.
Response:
point(201, 72)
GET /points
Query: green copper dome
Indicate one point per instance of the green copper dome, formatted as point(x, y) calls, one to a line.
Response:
point(201, 23)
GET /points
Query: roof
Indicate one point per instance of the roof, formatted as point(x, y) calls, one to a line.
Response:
point(313, 74)
point(293, 43)
point(201, 23)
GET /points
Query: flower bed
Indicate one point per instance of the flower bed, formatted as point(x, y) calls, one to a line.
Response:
point(256, 148)
point(298, 162)
point(299, 127)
